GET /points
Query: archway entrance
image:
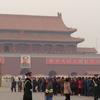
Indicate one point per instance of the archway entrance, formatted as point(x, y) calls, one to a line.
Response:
point(52, 73)
point(24, 71)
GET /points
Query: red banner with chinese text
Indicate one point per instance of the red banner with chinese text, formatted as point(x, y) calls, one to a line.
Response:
point(73, 61)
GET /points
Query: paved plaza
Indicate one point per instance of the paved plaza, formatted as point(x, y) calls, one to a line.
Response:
point(6, 94)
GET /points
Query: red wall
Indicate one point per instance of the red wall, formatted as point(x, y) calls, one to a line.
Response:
point(39, 66)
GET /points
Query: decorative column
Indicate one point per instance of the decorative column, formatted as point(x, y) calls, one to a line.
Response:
point(14, 48)
point(30, 48)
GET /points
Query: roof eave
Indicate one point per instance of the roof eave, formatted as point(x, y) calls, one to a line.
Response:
point(80, 40)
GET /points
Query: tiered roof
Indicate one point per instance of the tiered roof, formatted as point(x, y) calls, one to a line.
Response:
point(86, 50)
point(33, 23)
point(48, 24)
point(39, 37)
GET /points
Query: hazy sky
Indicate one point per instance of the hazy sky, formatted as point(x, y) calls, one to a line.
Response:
point(81, 14)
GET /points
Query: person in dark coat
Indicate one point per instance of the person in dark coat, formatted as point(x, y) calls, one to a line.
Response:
point(28, 87)
point(96, 82)
point(13, 85)
point(49, 90)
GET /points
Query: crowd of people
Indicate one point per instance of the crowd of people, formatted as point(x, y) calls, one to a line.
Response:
point(15, 84)
point(81, 86)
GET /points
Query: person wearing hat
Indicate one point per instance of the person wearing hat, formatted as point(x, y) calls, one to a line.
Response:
point(28, 87)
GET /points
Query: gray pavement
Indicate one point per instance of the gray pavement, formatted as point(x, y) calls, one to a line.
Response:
point(6, 94)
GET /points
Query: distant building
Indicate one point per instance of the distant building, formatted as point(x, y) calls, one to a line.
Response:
point(48, 44)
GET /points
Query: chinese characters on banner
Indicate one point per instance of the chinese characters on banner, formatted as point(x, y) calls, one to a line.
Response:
point(73, 61)
point(25, 61)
